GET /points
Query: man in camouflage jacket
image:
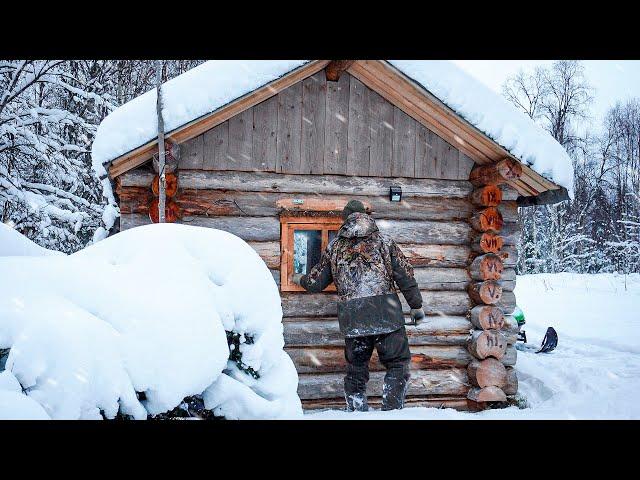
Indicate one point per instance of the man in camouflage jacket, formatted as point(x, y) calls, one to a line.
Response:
point(365, 267)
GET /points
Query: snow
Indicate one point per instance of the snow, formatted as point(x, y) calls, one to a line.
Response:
point(17, 406)
point(88, 330)
point(215, 83)
point(186, 97)
point(13, 243)
point(594, 373)
point(9, 383)
point(492, 115)
point(109, 215)
point(14, 405)
point(146, 310)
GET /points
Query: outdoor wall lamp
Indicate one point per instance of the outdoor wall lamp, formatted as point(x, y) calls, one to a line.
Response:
point(395, 193)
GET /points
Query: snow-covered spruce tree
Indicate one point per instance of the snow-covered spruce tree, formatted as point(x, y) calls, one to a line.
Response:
point(49, 111)
point(193, 406)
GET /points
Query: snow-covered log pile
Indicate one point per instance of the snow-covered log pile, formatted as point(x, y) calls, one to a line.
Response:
point(491, 381)
point(159, 321)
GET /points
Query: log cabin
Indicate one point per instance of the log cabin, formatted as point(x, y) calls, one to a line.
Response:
point(271, 151)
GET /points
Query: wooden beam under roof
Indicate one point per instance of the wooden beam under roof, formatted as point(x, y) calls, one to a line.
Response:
point(335, 68)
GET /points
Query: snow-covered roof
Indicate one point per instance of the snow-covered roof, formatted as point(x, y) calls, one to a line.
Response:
point(492, 115)
point(187, 97)
point(215, 83)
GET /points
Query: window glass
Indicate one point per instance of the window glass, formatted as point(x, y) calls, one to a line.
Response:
point(307, 249)
point(332, 235)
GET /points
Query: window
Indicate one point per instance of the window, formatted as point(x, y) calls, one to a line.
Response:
point(302, 241)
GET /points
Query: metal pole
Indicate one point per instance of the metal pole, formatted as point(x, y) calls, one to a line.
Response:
point(161, 156)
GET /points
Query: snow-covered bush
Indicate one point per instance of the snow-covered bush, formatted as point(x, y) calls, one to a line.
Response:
point(140, 323)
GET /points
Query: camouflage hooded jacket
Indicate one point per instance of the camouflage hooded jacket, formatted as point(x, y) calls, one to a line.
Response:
point(365, 267)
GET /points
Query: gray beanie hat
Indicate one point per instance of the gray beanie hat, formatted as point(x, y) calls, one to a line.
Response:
point(352, 207)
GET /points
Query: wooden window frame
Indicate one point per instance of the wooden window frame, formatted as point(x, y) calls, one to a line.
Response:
point(287, 226)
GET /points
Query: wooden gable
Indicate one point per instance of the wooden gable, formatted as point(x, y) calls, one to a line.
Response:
point(321, 127)
point(426, 138)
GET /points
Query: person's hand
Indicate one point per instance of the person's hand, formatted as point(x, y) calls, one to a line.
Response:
point(297, 278)
point(417, 315)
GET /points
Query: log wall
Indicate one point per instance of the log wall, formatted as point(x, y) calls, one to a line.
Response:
point(433, 228)
point(321, 143)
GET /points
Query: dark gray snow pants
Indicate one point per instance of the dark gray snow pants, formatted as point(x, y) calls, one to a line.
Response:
point(394, 354)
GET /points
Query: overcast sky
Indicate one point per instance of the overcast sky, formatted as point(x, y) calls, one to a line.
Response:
point(613, 80)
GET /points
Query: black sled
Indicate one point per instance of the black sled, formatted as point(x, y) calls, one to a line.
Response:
point(549, 342)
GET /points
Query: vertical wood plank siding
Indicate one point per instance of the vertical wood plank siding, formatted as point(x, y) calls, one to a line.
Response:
point(265, 126)
point(336, 126)
point(320, 127)
point(289, 129)
point(314, 96)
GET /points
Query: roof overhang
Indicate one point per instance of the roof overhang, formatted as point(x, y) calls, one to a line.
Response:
point(545, 198)
point(390, 83)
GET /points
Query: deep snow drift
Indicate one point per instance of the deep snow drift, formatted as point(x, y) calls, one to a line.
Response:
point(594, 373)
point(13, 243)
point(146, 310)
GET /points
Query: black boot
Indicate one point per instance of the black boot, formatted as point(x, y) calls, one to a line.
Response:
point(357, 402)
point(396, 383)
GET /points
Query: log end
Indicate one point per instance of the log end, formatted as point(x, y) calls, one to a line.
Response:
point(509, 169)
point(487, 394)
point(335, 68)
point(487, 343)
point(487, 267)
point(487, 317)
point(487, 196)
point(490, 242)
point(487, 373)
point(489, 220)
point(171, 184)
point(504, 171)
point(488, 292)
point(172, 211)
